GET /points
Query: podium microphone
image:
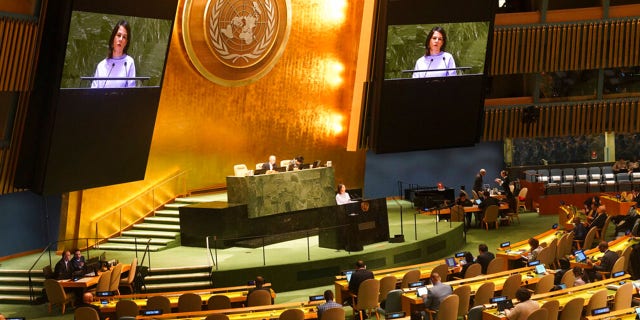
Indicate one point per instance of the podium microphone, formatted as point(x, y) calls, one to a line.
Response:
point(108, 74)
point(126, 74)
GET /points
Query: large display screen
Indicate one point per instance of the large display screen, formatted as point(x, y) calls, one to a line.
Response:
point(89, 40)
point(466, 42)
point(429, 74)
point(96, 93)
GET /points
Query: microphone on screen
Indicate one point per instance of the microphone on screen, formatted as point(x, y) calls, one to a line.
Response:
point(109, 73)
point(126, 74)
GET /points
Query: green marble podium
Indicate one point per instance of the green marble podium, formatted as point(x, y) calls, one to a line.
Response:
point(276, 193)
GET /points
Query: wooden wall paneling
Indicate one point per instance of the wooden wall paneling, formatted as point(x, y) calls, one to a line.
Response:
point(627, 41)
point(527, 50)
point(517, 63)
point(615, 123)
point(5, 40)
point(557, 34)
point(606, 117)
point(606, 42)
point(617, 46)
point(564, 47)
point(636, 123)
point(494, 50)
point(627, 116)
point(511, 49)
point(584, 32)
point(522, 50)
point(502, 45)
point(590, 53)
point(537, 61)
point(598, 45)
point(635, 43)
point(574, 47)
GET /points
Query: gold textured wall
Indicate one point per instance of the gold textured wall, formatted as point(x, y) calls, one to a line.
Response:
point(301, 107)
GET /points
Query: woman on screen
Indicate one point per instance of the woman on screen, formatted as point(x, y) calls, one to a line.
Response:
point(117, 64)
point(435, 57)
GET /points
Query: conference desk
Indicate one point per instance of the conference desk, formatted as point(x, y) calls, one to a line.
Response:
point(515, 251)
point(474, 208)
point(623, 314)
point(411, 302)
point(615, 207)
point(342, 286)
point(563, 296)
point(276, 193)
point(261, 312)
point(618, 245)
point(237, 294)
point(87, 282)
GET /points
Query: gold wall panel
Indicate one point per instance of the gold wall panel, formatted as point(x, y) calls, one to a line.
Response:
point(301, 107)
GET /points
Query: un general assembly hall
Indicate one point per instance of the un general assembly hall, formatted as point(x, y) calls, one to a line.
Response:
point(320, 159)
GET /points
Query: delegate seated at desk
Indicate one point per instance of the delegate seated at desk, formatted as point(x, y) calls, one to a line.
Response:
point(525, 306)
point(270, 165)
point(64, 267)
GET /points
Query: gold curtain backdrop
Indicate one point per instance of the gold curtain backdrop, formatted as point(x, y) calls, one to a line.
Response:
point(301, 107)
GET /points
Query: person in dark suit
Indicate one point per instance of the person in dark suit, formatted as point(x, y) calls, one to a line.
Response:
point(77, 261)
point(486, 202)
point(477, 183)
point(358, 276)
point(605, 264)
point(468, 261)
point(436, 293)
point(504, 181)
point(64, 267)
point(565, 266)
point(634, 262)
point(271, 164)
point(599, 220)
point(296, 164)
point(484, 257)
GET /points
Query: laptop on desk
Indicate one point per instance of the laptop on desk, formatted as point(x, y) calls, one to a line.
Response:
point(258, 172)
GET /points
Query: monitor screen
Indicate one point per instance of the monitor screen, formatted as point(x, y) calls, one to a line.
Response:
point(416, 284)
point(152, 312)
point(562, 286)
point(317, 297)
point(498, 299)
point(347, 274)
point(395, 315)
point(638, 312)
point(505, 244)
point(422, 291)
point(618, 274)
point(478, 201)
point(598, 311)
point(533, 263)
point(580, 256)
point(460, 254)
point(437, 84)
point(88, 47)
point(104, 293)
point(554, 226)
point(451, 262)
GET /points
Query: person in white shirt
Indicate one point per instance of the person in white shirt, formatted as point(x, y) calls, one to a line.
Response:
point(342, 197)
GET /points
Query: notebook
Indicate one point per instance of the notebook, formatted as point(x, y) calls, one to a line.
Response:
point(540, 269)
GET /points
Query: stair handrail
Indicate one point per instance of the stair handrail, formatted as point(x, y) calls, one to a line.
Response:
point(48, 249)
point(139, 198)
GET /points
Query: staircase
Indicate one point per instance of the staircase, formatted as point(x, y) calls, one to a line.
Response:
point(14, 285)
point(163, 229)
point(178, 279)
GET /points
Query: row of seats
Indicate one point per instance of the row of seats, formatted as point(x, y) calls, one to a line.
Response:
point(583, 180)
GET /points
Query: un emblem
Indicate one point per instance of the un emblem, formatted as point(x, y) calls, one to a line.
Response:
point(235, 42)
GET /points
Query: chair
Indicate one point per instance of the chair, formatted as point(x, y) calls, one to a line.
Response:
point(602, 233)
point(474, 270)
point(367, 298)
point(617, 267)
point(387, 284)
point(457, 213)
point(114, 283)
point(56, 294)
point(410, 277)
point(568, 179)
point(496, 265)
point(104, 282)
point(608, 180)
point(511, 285)
point(217, 316)
point(333, 314)
point(393, 301)
point(442, 270)
point(553, 308)
point(491, 216)
point(568, 278)
point(626, 254)
point(292, 314)
point(464, 293)
point(595, 179)
point(128, 282)
point(259, 298)
point(540, 314)
point(188, 302)
point(624, 182)
point(484, 294)
point(572, 310)
point(240, 170)
point(555, 179)
point(596, 301)
point(448, 309)
point(86, 313)
point(588, 240)
point(475, 313)
point(475, 195)
point(622, 298)
point(545, 284)
point(546, 256)
point(218, 301)
point(126, 308)
point(543, 176)
point(159, 303)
